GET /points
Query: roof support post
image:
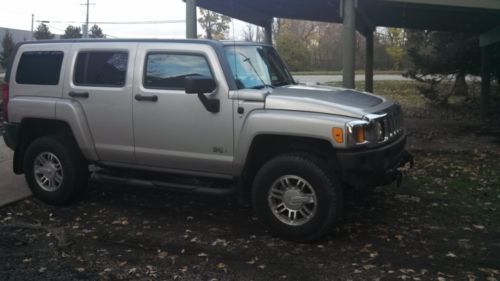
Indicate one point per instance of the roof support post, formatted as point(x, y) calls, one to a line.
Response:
point(268, 32)
point(349, 43)
point(191, 21)
point(369, 62)
point(485, 82)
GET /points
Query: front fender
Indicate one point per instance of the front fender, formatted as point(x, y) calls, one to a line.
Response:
point(285, 123)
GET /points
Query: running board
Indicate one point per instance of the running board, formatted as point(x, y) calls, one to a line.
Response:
point(181, 187)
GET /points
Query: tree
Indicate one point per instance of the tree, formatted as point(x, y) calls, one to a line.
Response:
point(96, 32)
point(8, 47)
point(441, 56)
point(72, 32)
point(395, 49)
point(293, 50)
point(214, 24)
point(253, 33)
point(42, 32)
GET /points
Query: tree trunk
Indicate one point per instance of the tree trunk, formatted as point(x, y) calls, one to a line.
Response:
point(460, 87)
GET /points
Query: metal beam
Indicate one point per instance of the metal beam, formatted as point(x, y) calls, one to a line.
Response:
point(268, 32)
point(479, 4)
point(369, 62)
point(191, 20)
point(349, 44)
point(489, 38)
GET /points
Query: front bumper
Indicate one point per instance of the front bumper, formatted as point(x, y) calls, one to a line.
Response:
point(376, 166)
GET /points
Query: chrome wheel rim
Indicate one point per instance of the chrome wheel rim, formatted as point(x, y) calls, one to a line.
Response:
point(48, 171)
point(292, 200)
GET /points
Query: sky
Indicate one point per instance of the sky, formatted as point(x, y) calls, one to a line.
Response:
point(61, 13)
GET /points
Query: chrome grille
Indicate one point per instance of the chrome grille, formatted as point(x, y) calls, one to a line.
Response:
point(391, 121)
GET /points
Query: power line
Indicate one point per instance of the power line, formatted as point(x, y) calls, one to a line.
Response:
point(124, 22)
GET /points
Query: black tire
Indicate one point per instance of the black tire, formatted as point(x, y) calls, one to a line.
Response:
point(75, 173)
point(328, 192)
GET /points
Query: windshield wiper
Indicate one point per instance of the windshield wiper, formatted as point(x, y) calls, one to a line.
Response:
point(259, 87)
point(264, 84)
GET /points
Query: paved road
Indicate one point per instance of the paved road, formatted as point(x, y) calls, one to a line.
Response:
point(12, 187)
point(321, 79)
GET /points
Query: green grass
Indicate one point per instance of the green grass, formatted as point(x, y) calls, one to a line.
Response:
point(416, 105)
point(338, 72)
point(404, 92)
point(465, 184)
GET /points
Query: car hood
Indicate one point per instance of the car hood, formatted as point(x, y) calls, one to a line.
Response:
point(328, 100)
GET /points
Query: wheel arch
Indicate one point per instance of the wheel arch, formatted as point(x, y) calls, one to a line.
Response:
point(265, 147)
point(32, 128)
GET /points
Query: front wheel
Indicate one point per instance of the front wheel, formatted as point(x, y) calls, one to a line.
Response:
point(297, 197)
point(55, 169)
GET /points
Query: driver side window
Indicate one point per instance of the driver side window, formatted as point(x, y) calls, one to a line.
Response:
point(168, 70)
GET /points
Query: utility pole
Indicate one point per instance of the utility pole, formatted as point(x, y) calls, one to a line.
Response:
point(85, 27)
point(32, 24)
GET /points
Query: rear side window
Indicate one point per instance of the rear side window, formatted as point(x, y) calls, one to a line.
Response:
point(101, 69)
point(39, 68)
point(167, 71)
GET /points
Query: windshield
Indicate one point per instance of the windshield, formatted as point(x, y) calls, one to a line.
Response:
point(257, 67)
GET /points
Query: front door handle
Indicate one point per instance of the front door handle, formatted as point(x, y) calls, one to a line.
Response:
point(153, 98)
point(84, 95)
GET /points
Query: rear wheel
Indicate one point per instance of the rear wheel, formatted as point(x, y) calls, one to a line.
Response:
point(297, 197)
point(55, 170)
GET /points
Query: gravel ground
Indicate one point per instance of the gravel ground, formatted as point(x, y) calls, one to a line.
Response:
point(442, 224)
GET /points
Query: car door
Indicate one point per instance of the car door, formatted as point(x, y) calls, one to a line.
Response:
point(172, 129)
point(100, 80)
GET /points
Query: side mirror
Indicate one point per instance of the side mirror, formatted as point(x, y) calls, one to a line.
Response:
point(201, 85)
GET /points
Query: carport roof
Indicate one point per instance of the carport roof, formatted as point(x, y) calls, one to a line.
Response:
point(475, 16)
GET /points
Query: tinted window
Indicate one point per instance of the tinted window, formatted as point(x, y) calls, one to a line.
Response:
point(98, 68)
point(39, 68)
point(167, 71)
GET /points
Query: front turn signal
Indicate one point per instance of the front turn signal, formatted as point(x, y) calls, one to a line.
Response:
point(338, 135)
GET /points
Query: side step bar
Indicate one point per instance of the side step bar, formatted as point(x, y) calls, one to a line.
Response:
point(181, 187)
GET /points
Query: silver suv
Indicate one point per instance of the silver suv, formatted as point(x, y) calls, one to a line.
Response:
point(199, 116)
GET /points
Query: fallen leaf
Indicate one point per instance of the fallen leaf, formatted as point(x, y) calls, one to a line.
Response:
point(368, 266)
point(451, 255)
point(478, 226)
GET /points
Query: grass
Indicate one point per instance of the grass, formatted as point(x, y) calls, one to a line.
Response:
point(417, 106)
point(465, 184)
point(339, 72)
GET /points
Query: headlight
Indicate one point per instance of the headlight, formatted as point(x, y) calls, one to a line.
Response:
point(378, 130)
point(369, 130)
point(357, 132)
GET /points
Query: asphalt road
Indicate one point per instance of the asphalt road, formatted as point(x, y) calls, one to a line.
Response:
point(12, 187)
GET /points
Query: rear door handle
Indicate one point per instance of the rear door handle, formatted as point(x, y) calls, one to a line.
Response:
point(84, 95)
point(153, 98)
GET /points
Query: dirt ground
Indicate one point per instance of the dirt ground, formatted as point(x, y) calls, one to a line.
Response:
point(441, 224)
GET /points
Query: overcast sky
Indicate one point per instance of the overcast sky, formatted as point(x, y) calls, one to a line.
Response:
point(61, 13)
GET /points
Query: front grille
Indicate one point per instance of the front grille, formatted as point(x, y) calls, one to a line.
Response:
point(391, 121)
